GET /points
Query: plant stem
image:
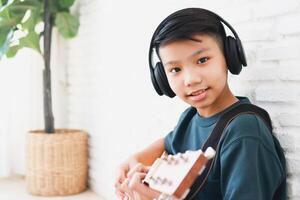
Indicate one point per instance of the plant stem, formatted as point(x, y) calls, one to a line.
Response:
point(48, 114)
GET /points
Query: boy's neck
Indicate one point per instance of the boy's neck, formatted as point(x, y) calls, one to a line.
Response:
point(225, 100)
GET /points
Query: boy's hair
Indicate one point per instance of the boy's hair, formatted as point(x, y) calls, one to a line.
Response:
point(184, 24)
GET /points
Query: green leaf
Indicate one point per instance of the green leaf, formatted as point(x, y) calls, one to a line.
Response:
point(5, 37)
point(19, 8)
point(7, 23)
point(65, 3)
point(55, 7)
point(3, 2)
point(15, 11)
point(12, 51)
point(31, 40)
point(4, 11)
point(32, 21)
point(67, 24)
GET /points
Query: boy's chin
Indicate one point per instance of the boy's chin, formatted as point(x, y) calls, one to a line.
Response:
point(199, 105)
point(203, 103)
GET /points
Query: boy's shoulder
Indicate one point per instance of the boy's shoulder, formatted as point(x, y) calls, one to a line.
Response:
point(248, 126)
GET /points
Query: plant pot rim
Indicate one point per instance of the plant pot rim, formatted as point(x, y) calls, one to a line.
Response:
point(57, 131)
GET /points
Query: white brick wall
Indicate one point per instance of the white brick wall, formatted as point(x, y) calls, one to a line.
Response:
point(111, 96)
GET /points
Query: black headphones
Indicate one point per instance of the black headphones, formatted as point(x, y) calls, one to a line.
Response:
point(233, 49)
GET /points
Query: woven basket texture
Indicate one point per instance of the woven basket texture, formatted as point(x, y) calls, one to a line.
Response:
point(57, 164)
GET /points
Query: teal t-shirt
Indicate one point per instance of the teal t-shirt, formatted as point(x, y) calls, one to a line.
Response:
point(247, 165)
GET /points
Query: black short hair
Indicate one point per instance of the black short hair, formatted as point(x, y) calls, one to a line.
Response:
point(185, 23)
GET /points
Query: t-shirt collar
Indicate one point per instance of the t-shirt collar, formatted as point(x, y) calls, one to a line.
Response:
point(208, 121)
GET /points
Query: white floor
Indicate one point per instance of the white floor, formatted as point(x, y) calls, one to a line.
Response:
point(14, 189)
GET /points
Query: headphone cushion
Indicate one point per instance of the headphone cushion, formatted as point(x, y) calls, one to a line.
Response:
point(155, 84)
point(232, 55)
point(162, 80)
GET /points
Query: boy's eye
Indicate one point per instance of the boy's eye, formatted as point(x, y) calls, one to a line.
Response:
point(175, 70)
point(202, 60)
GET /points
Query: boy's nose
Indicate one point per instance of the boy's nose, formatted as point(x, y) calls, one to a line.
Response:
point(191, 79)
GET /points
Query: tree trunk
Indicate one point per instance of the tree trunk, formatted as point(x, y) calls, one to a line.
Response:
point(48, 114)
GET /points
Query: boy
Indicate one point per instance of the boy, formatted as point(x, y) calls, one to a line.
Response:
point(195, 56)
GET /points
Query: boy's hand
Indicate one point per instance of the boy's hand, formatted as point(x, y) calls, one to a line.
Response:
point(121, 176)
point(147, 156)
point(134, 187)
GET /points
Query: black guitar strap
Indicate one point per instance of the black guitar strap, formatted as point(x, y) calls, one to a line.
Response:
point(216, 135)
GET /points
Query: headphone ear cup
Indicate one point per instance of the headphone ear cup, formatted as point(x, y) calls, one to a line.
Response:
point(154, 83)
point(241, 52)
point(232, 55)
point(162, 80)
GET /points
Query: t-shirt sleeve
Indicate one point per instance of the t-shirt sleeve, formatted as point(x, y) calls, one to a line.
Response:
point(167, 142)
point(249, 168)
point(172, 136)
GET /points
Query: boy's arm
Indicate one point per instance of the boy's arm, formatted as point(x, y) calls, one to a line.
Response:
point(148, 155)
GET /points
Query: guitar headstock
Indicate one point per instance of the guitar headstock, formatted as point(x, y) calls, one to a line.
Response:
point(174, 174)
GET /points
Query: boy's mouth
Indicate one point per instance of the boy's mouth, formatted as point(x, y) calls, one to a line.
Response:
point(196, 93)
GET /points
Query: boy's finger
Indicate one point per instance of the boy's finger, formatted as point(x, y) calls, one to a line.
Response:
point(138, 168)
point(121, 176)
point(137, 185)
point(119, 192)
point(125, 188)
point(147, 168)
point(136, 180)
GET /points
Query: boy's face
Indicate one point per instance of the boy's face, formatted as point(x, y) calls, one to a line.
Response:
point(197, 72)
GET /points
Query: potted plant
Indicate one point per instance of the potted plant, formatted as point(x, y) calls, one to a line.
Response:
point(56, 158)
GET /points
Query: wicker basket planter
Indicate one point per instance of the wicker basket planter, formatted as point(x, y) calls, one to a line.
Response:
point(57, 164)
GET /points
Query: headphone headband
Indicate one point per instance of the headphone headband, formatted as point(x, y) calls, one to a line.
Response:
point(152, 45)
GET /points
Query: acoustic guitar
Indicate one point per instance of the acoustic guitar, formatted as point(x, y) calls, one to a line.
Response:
point(175, 174)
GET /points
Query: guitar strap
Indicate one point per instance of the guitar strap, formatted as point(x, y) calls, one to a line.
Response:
point(216, 136)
